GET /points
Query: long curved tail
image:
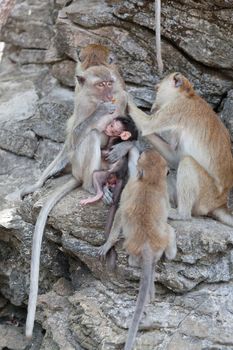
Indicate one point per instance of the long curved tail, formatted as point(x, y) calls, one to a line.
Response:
point(141, 300)
point(36, 248)
point(223, 215)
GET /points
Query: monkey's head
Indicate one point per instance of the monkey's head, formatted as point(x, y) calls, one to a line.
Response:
point(172, 86)
point(151, 166)
point(97, 82)
point(94, 55)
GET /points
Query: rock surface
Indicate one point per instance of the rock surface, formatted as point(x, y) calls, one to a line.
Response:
point(81, 304)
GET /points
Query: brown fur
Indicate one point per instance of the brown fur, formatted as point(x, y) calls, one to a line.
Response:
point(94, 55)
point(146, 224)
point(98, 55)
point(201, 137)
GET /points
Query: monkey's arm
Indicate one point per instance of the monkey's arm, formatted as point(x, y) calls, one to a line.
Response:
point(119, 150)
point(113, 236)
point(141, 119)
point(103, 115)
point(165, 150)
point(57, 165)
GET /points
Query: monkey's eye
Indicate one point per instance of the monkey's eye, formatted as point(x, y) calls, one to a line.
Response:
point(109, 83)
point(102, 84)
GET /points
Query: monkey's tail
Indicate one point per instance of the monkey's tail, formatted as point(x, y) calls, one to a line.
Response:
point(223, 215)
point(144, 287)
point(36, 248)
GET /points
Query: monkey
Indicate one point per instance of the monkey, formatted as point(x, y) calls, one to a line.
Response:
point(92, 55)
point(202, 155)
point(158, 36)
point(96, 86)
point(142, 217)
point(112, 176)
point(119, 130)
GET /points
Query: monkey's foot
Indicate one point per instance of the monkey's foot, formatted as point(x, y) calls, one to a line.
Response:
point(91, 199)
point(175, 215)
point(14, 196)
point(103, 250)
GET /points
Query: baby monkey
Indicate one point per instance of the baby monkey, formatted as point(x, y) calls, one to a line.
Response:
point(113, 175)
point(142, 217)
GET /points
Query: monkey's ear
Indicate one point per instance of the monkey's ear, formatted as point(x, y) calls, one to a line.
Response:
point(178, 80)
point(80, 79)
point(125, 135)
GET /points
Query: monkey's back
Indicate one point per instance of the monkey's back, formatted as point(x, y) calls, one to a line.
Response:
point(144, 216)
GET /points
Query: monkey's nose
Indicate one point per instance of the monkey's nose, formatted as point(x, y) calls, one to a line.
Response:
point(109, 97)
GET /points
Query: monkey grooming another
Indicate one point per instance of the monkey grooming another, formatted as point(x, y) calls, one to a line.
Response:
point(142, 217)
point(202, 154)
point(85, 157)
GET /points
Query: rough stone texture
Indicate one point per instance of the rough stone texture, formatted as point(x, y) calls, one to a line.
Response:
point(82, 305)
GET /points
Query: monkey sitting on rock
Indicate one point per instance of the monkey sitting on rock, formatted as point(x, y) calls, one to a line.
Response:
point(142, 217)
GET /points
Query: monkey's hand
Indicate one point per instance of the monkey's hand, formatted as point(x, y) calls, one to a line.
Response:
point(103, 250)
point(119, 151)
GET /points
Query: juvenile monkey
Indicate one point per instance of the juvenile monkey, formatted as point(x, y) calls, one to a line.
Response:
point(113, 175)
point(84, 156)
point(202, 154)
point(92, 55)
point(142, 217)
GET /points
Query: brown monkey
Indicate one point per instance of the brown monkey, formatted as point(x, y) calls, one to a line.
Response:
point(142, 217)
point(92, 55)
point(203, 150)
point(85, 157)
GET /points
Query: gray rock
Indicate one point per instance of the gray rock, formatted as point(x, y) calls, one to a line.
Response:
point(227, 113)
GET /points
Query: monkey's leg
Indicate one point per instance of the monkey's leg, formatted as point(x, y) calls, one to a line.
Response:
point(171, 248)
point(57, 165)
point(113, 236)
point(36, 248)
point(99, 179)
point(87, 159)
point(197, 193)
point(187, 187)
point(165, 150)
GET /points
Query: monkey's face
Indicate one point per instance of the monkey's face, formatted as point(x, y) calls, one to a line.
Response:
point(114, 129)
point(104, 90)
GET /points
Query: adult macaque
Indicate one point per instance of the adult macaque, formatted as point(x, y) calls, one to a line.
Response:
point(142, 217)
point(84, 156)
point(202, 153)
point(92, 55)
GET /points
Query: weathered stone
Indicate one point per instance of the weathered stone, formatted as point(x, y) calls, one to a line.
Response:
point(227, 113)
point(79, 312)
point(65, 72)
